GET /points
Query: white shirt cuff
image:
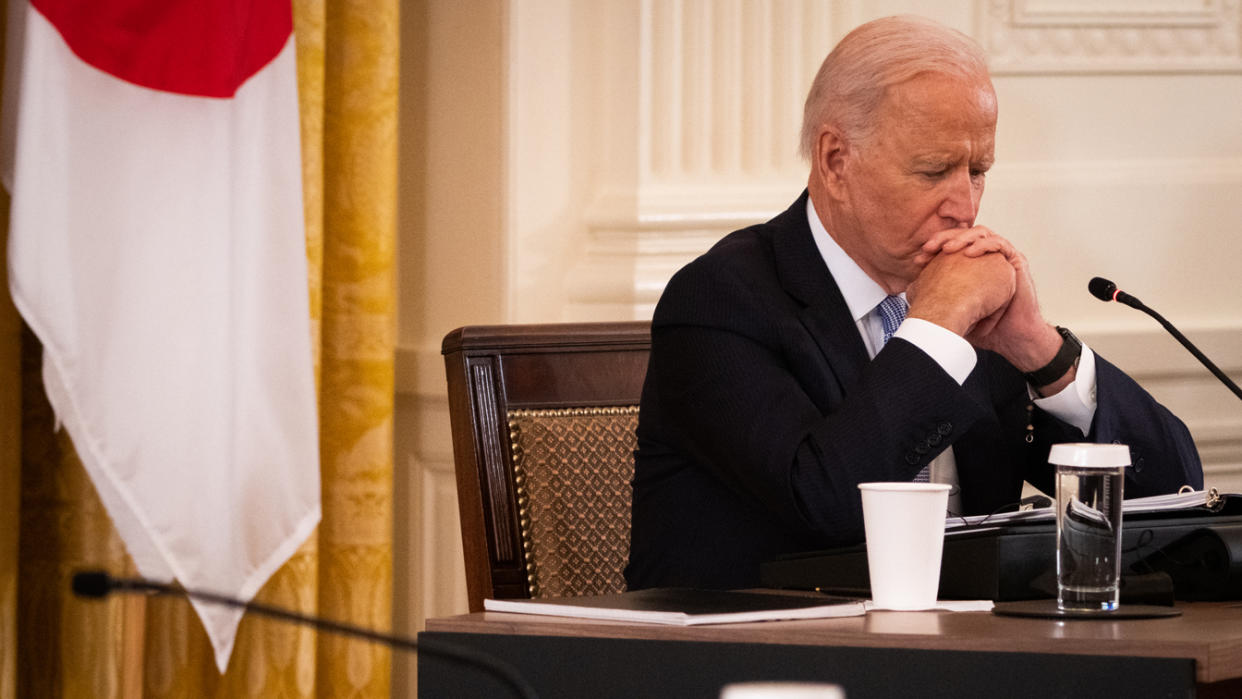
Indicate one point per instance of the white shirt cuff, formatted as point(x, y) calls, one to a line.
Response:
point(1076, 402)
point(948, 349)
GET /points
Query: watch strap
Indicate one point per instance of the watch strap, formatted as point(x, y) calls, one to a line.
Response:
point(1070, 350)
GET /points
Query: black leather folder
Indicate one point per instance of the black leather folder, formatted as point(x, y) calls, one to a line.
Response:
point(1199, 550)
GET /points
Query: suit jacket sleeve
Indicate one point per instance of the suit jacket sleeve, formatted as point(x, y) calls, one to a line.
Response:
point(1163, 457)
point(739, 383)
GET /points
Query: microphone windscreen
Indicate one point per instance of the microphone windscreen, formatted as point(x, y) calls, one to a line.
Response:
point(1101, 288)
point(92, 583)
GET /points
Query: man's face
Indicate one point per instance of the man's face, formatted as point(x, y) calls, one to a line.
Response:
point(920, 172)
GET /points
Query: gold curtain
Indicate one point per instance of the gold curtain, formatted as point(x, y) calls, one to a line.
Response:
point(52, 523)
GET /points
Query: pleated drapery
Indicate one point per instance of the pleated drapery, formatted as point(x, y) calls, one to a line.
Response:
point(52, 523)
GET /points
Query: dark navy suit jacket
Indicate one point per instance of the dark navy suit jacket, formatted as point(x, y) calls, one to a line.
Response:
point(761, 413)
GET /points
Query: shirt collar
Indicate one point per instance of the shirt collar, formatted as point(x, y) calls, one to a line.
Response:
point(862, 294)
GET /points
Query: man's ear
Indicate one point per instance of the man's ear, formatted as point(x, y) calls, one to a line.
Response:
point(832, 153)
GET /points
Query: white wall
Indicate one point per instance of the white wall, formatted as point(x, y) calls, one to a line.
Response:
point(561, 159)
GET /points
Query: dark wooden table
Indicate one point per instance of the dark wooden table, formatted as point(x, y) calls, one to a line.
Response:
point(882, 654)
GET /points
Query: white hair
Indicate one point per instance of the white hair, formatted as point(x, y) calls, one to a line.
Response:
point(854, 78)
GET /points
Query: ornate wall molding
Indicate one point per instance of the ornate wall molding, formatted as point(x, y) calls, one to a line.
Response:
point(623, 271)
point(717, 105)
point(1111, 36)
point(722, 84)
point(1169, 172)
point(717, 95)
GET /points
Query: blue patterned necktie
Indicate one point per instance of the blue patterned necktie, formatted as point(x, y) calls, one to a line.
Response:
point(892, 311)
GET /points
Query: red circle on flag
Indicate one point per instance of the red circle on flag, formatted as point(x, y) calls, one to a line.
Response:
point(193, 47)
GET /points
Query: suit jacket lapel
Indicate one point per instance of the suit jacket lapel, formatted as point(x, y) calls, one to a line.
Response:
point(824, 313)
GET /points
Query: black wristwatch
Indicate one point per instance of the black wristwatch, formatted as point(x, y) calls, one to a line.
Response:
point(1071, 347)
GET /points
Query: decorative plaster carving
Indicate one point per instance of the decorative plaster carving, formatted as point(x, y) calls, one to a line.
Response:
point(1111, 36)
point(718, 109)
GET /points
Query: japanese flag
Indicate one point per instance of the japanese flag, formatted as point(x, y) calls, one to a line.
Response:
point(157, 250)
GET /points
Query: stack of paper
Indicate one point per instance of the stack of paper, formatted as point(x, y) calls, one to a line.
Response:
point(1184, 500)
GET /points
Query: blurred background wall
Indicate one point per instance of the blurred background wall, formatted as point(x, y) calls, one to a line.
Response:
point(559, 160)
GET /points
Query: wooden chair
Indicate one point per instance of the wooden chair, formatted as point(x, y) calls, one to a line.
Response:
point(543, 420)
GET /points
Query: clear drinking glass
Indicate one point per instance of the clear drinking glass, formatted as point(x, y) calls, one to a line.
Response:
point(1090, 481)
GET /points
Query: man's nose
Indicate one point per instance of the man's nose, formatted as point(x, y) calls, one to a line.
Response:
point(961, 199)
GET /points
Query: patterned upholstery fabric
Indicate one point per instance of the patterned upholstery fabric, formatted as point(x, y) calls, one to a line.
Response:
point(572, 469)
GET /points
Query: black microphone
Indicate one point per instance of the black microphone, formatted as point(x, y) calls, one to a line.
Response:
point(97, 584)
point(1107, 291)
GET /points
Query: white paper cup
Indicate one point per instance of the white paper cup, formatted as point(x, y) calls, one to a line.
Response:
point(781, 690)
point(904, 524)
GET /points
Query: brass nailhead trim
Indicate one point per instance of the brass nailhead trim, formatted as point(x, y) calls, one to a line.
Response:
point(519, 476)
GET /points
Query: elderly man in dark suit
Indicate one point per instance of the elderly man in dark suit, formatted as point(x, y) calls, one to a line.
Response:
point(871, 332)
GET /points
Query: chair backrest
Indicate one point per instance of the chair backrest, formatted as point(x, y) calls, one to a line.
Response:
point(543, 420)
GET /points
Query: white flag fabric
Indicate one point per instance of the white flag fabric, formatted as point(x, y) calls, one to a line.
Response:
point(157, 250)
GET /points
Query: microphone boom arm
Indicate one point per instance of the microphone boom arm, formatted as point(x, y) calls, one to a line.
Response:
point(1106, 291)
point(97, 584)
point(1224, 378)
